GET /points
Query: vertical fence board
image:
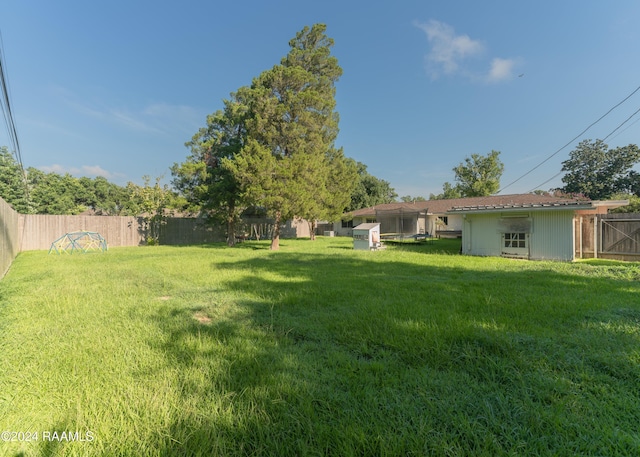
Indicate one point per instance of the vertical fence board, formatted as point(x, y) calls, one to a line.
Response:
point(9, 240)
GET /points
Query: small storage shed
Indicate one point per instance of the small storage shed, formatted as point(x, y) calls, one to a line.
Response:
point(366, 236)
point(536, 231)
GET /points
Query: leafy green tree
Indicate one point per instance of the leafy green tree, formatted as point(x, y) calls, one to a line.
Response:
point(52, 193)
point(203, 181)
point(109, 199)
point(13, 185)
point(370, 191)
point(409, 199)
point(332, 192)
point(153, 200)
point(291, 128)
point(598, 173)
point(632, 207)
point(478, 175)
point(448, 191)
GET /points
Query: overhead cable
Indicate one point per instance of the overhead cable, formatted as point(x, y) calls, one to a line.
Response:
point(611, 133)
point(572, 140)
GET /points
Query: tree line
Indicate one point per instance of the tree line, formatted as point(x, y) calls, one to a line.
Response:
point(38, 192)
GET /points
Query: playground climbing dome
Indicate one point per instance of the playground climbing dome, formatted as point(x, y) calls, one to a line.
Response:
point(78, 242)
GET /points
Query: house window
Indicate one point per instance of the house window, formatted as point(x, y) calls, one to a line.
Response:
point(370, 220)
point(347, 224)
point(515, 240)
point(444, 219)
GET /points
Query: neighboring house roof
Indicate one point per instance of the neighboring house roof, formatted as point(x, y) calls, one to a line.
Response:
point(367, 226)
point(444, 206)
point(564, 204)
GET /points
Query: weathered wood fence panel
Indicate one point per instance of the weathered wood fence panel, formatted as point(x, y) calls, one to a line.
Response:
point(179, 231)
point(585, 241)
point(9, 240)
point(38, 231)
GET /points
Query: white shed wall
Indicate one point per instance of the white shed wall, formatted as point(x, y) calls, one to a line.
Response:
point(480, 235)
point(551, 235)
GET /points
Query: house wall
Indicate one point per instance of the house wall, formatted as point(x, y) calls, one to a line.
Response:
point(454, 222)
point(551, 236)
point(339, 230)
point(410, 224)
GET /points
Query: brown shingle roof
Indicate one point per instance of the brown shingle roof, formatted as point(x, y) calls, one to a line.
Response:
point(442, 206)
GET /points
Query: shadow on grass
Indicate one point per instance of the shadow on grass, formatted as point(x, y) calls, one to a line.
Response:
point(352, 355)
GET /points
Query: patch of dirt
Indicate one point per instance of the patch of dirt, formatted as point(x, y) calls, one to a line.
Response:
point(202, 318)
point(165, 298)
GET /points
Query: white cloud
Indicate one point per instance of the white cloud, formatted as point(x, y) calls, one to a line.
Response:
point(84, 170)
point(96, 170)
point(156, 118)
point(450, 54)
point(501, 70)
point(448, 50)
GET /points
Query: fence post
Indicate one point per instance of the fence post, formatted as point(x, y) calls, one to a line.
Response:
point(596, 235)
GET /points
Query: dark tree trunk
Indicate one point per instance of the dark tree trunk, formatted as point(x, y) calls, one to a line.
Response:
point(275, 241)
point(312, 229)
point(231, 232)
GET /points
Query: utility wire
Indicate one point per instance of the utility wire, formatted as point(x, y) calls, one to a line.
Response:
point(626, 120)
point(611, 133)
point(5, 106)
point(572, 140)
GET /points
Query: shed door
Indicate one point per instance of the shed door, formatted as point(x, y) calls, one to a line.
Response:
point(515, 244)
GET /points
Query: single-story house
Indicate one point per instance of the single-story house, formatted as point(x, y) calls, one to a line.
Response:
point(537, 231)
point(430, 217)
point(519, 225)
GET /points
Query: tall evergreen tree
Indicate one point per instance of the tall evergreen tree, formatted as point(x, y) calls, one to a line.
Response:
point(291, 127)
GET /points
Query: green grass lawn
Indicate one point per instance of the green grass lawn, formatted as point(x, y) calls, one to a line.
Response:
point(318, 350)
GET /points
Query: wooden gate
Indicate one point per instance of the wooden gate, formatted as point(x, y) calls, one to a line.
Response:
point(619, 236)
point(608, 236)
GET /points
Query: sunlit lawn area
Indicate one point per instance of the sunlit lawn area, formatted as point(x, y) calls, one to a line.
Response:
point(317, 350)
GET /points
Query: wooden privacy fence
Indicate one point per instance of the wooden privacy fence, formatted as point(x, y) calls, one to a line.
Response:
point(9, 242)
point(38, 231)
point(609, 236)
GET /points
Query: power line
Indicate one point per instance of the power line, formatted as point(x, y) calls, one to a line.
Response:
point(572, 140)
point(5, 106)
point(611, 133)
point(626, 120)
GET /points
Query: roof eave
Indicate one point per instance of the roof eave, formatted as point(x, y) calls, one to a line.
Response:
point(585, 206)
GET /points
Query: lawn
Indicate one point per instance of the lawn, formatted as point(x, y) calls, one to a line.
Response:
point(317, 350)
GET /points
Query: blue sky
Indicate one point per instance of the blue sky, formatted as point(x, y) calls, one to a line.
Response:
point(116, 88)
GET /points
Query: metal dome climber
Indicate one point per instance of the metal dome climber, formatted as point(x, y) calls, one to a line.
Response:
point(78, 242)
